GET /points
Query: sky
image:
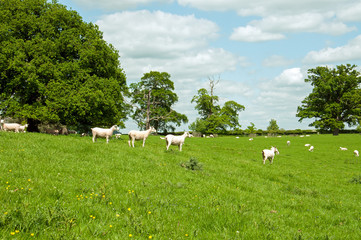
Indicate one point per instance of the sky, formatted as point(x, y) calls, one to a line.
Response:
point(259, 50)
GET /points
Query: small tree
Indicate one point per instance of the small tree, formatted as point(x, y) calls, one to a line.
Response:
point(153, 98)
point(251, 129)
point(273, 127)
point(335, 98)
point(214, 118)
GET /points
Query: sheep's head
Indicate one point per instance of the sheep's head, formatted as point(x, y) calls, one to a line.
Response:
point(275, 150)
point(153, 130)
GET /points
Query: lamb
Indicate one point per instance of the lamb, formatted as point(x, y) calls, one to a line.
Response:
point(176, 140)
point(311, 149)
point(103, 133)
point(140, 135)
point(22, 128)
point(11, 127)
point(356, 153)
point(269, 154)
point(343, 149)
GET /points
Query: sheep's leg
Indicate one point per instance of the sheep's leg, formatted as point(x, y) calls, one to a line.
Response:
point(129, 142)
point(133, 139)
point(168, 144)
point(180, 147)
point(271, 160)
point(94, 138)
point(143, 141)
point(107, 139)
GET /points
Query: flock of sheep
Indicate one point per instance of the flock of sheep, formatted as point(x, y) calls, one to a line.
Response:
point(143, 135)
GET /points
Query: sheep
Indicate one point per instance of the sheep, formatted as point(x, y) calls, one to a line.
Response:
point(251, 139)
point(288, 143)
point(140, 135)
point(176, 140)
point(307, 145)
point(343, 149)
point(22, 128)
point(311, 149)
point(118, 135)
point(11, 127)
point(356, 153)
point(103, 133)
point(269, 154)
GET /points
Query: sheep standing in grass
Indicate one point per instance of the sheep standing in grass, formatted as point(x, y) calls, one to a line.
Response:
point(343, 149)
point(22, 128)
point(269, 154)
point(11, 127)
point(140, 135)
point(356, 153)
point(103, 133)
point(311, 149)
point(288, 143)
point(176, 140)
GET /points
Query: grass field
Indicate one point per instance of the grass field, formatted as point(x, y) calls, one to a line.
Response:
point(66, 187)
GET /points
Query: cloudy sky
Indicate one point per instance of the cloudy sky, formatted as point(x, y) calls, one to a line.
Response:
point(260, 50)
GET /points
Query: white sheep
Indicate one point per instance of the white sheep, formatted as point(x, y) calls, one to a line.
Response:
point(251, 139)
point(176, 140)
point(103, 133)
point(356, 153)
point(269, 154)
point(140, 135)
point(288, 143)
point(343, 149)
point(22, 128)
point(311, 149)
point(11, 127)
point(307, 145)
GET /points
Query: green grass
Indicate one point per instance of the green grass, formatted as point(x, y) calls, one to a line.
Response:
point(66, 187)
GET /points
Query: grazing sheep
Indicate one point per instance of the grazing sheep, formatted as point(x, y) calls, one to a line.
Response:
point(356, 153)
point(176, 140)
point(118, 135)
point(288, 143)
point(140, 135)
point(311, 149)
point(11, 127)
point(251, 139)
point(52, 131)
point(22, 128)
point(307, 145)
point(103, 133)
point(269, 154)
point(343, 149)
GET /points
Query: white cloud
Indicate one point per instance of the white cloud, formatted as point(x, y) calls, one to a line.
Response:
point(276, 61)
point(349, 52)
point(253, 34)
point(351, 12)
point(156, 34)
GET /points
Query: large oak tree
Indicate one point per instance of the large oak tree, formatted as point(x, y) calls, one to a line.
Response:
point(335, 98)
point(56, 68)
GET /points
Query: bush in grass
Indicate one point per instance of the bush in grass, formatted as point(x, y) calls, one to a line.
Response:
point(192, 164)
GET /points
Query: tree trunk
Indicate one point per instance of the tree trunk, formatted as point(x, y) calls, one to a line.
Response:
point(147, 124)
point(336, 131)
point(33, 125)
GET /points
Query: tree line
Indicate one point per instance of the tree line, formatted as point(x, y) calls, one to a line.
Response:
point(56, 68)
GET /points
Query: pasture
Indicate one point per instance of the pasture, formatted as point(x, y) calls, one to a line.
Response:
point(67, 187)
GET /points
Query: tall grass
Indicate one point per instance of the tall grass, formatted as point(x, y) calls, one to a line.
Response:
point(66, 187)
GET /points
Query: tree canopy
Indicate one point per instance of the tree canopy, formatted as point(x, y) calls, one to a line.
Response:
point(153, 98)
point(335, 98)
point(56, 68)
point(214, 118)
point(273, 126)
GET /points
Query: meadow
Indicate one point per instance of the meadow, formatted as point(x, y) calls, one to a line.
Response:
point(67, 187)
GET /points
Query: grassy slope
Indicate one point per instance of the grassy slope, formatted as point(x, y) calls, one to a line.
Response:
point(68, 187)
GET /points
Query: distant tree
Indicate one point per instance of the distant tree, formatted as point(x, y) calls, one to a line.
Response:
point(153, 98)
point(335, 98)
point(272, 127)
point(214, 118)
point(251, 129)
point(56, 68)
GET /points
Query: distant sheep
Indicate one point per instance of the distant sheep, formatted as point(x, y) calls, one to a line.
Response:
point(176, 140)
point(103, 133)
point(311, 149)
point(288, 143)
point(269, 154)
point(356, 153)
point(22, 128)
point(343, 149)
point(140, 135)
point(251, 139)
point(16, 127)
point(307, 145)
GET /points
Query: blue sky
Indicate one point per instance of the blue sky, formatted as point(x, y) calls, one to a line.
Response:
point(260, 50)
